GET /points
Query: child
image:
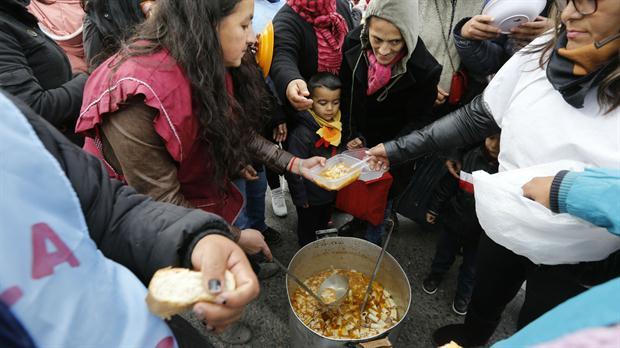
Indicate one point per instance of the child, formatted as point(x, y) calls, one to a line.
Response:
point(461, 226)
point(318, 133)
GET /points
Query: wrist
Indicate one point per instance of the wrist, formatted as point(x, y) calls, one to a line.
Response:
point(557, 196)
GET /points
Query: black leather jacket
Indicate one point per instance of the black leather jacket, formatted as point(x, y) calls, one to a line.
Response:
point(465, 126)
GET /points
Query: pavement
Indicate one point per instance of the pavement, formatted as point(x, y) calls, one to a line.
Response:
point(412, 246)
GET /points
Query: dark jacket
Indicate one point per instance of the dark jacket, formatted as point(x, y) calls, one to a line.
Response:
point(465, 126)
point(295, 48)
point(129, 228)
point(454, 204)
point(391, 111)
point(36, 70)
point(301, 143)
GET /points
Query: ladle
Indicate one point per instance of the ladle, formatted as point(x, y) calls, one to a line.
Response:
point(337, 285)
point(374, 273)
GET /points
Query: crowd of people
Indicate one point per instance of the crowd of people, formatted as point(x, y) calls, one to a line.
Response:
point(143, 134)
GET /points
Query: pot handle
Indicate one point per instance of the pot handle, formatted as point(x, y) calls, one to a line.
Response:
point(381, 343)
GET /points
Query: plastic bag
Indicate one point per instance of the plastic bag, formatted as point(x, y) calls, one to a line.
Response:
point(530, 229)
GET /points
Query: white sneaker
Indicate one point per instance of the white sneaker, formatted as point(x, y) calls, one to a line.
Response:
point(278, 202)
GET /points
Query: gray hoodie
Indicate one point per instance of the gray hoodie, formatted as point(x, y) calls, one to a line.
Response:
point(404, 15)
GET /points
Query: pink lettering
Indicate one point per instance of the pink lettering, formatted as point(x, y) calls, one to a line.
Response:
point(43, 263)
point(167, 342)
point(11, 295)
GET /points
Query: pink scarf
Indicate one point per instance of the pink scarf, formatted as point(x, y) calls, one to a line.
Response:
point(379, 75)
point(330, 29)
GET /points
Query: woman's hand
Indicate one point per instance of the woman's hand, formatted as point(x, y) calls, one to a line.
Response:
point(249, 173)
point(297, 94)
point(531, 30)
point(302, 166)
point(355, 144)
point(379, 159)
point(479, 28)
point(253, 242)
point(538, 189)
point(280, 133)
point(213, 255)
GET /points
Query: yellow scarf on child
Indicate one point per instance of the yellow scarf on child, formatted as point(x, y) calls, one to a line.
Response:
point(330, 132)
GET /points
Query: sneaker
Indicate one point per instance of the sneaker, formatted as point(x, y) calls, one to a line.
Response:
point(459, 305)
point(237, 334)
point(278, 203)
point(431, 283)
point(272, 237)
point(284, 184)
point(267, 270)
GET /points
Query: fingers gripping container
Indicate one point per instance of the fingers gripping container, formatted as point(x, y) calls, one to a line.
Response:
point(320, 175)
point(367, 173)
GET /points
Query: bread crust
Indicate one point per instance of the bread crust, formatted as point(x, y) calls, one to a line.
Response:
point(176, 290)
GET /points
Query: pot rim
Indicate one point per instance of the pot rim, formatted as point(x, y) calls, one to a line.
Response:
point(354, 340)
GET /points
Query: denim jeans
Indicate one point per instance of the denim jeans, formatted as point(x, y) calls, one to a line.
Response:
point(374, 233)
point(253, 213)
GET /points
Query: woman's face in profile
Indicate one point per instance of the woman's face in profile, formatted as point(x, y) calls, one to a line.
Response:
point(236, 34)
point(583, 30)
point(385, 39)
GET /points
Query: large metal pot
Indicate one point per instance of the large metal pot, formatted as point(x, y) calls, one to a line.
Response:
point(345, 253)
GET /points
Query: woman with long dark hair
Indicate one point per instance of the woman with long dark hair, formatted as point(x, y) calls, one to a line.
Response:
point(556, 100)
point(175, 113)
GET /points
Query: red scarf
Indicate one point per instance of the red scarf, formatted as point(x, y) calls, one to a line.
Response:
point(379, 75)
point(330, 29)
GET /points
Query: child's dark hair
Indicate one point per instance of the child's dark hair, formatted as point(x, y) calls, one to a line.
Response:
point(324, 79)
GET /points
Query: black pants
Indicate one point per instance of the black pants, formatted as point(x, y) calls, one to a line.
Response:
point(499, 275)
point(453, 236)
point(273, 179)
point(311, 219)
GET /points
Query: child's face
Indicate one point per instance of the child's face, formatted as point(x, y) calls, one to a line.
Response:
point(492, 145)
point(326, 102)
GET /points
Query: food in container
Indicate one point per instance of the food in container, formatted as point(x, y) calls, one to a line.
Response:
point(339, 171)
point(346, 321)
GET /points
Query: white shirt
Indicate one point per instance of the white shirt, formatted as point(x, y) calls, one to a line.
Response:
point(539, 126)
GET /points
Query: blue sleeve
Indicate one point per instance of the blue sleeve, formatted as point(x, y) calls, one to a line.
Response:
point(592, 195)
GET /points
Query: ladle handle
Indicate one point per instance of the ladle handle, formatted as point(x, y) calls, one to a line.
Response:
point(299, 282)
point(374, 273)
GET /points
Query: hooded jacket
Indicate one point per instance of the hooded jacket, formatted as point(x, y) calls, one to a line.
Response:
point(406, 102)
point(35, 69)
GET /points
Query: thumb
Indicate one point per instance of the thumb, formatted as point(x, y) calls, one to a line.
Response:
point(213, 265)
point(303, 88)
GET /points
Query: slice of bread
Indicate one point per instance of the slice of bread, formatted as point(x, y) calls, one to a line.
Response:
point(175, 290)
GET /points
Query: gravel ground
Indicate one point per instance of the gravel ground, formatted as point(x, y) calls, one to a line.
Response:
point(411, 246)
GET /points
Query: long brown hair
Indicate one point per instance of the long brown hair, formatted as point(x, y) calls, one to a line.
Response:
point(187, 29)
point(608, 92)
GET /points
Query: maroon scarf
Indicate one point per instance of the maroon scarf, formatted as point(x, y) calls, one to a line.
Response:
point(379, 75)
point(330, 29)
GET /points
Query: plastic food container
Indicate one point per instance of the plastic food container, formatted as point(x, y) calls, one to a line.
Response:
point(339, 171)
point(367, 173)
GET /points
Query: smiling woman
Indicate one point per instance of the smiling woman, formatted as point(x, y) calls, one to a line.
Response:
point(557, 99)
